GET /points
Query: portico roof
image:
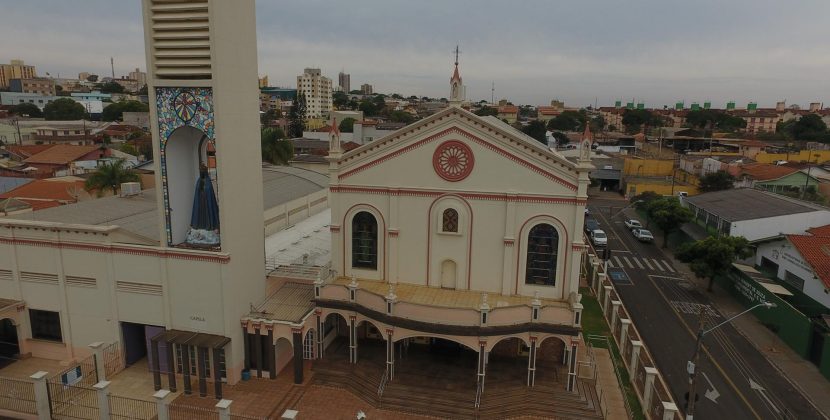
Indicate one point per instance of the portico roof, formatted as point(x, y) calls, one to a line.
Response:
point(191, 338)
point(450, 298)
point(290, 303)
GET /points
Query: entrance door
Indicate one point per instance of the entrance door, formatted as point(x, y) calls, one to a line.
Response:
point(9, 345)
point(448, 272)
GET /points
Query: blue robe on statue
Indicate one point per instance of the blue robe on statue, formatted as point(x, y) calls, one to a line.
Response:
point(204, 218)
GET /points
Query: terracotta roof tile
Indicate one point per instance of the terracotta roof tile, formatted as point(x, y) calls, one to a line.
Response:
point(820, 231)
point(508, 109)
point(816, 251)
point(766, 171)
point(28, 150)
point(46, 189)
point(61, 154)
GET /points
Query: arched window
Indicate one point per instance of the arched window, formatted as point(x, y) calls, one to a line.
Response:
point(449, 221)
point(542, 246)
point(364, 241)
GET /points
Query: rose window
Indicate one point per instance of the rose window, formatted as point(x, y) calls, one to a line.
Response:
point(453, 160)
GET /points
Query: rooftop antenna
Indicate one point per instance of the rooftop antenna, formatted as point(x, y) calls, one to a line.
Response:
point(457, 52)
point(493, 93)
point(112, 66)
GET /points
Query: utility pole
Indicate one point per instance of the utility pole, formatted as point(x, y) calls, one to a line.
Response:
point(112, 66)
point(493, 93)
point(692, 366)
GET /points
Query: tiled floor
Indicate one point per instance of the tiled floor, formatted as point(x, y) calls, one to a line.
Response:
point(136, 381)
point(24, 368)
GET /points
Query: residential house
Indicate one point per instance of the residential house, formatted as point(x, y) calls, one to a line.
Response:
point(509, 113)
point(51, 192)
point(58, 160)
point(775, 178)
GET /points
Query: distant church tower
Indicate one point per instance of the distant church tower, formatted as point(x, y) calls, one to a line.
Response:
point(202, 83)
point(457, 90)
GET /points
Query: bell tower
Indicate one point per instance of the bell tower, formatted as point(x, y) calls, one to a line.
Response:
point(456, 86)
point(202, 85)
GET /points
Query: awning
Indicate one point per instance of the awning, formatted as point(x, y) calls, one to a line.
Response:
point(190, 338)
point(776, 288)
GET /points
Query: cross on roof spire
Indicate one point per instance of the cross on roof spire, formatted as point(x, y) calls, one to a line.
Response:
point(457, 52)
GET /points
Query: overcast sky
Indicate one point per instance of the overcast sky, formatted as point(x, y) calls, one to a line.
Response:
point(656, 51)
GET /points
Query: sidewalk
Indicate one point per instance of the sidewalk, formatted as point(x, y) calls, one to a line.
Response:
point(611, 389)
point(802, 374)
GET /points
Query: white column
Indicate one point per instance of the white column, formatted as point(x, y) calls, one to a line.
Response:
point(162, 404)
point(626, 323)
point(636, 345)
point(651, 373)
point(594, 273)
point(224, 408)
point(41, 396)
point(615, 308)
point(509, 239)
point(103, 392)
point(669, 410)
point(98, 352)
point(606, 296)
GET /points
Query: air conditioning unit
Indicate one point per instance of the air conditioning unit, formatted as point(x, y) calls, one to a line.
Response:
point(130, 188)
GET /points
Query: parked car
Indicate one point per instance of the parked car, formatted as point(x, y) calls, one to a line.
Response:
point(633, 224)
point(642, 235)
point(591, 225)
point(598, 238)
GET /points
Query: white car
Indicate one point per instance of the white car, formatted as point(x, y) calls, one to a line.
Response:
point(599, 238)
point(633, 224)
point(642, 235)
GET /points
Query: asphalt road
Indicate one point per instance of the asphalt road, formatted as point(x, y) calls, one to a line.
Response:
point(735, 381)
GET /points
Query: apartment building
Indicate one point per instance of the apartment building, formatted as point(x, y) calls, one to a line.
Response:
point(317, 90)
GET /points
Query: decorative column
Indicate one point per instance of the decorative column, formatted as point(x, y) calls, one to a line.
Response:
point(297, 335)
point(98, 352)
point(257, 350)
point(669, 410)
point(615, 309)
point(508, 253)
point(246, 346)
point(651, 373)
point(531, 363)
point(162, 404)
point(390, 353)
point(186, 368)
point(42, 396)
point(352, 339)
point(606, 297)
point(156, 366)
point(535, 307)
point(272, 363)
point(482, 364)
point(577, 309)
point(102, 389)
point(636, 345)
point(320, 332)
point(217, 375)
point(572, 366)
point(484, 309)
point(391, 299)
point(200, 370)
point(171, 366)
point(594, 273)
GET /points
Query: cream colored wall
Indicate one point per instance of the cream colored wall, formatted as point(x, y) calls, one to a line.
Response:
point(415, 254)
point(282, 216)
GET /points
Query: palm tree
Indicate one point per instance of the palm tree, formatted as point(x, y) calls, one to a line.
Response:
point(110, 175)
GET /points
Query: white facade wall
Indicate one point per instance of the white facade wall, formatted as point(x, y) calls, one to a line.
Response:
point(756, 229)
point(790, 260)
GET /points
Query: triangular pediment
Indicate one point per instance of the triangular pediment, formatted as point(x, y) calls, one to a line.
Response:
point(469, 151)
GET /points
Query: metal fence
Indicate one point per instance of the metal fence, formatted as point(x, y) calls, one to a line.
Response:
point(246, 417)
point(83, 373)
point(113, 362)
point(125, 408)
point(72, 402)
point(187, 412)
point(17, 395)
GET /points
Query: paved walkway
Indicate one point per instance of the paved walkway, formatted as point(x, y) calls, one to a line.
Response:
point(611, 389)
point(801, 373)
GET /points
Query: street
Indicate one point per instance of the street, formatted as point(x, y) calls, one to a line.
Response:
point(735, 380)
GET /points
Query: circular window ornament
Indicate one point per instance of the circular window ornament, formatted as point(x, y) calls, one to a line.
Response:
point(185, 105)
point(453, 160)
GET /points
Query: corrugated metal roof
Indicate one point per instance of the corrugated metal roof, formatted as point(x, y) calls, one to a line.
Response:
point(290, 303)
point(749, 204)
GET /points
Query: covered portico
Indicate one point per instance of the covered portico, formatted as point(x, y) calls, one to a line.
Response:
point(181, 349)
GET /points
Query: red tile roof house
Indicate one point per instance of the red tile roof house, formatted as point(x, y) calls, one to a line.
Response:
point(814, 249)
point(60, 157)
point(52, 192)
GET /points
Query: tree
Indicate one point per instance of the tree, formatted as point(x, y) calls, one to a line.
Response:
point(644, 199)
point(276, 149)
point(268, 116)
point(486, 110)
point(115, 111)
point(92, 78)
point(27, 110)
point(598, 123)
point(64, 109)
point(714, 255)
point(633, 119)
point(668, 215)
point(296, 116)
point(536, 129)
point(716, 181)
point(711, 119)
point(340, 100)
point(128, 149)
point(368, 107)
point(401, 117)
point(111, 87)
point(809, 127)
point(567, 121)
point(110, 175)
point(347, 125)
point(561, 138)
point(146, 150)
point(142, 91)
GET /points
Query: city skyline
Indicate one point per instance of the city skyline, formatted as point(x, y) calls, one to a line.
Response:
point(742, 51)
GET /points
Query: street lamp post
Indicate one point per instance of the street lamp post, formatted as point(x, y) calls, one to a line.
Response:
point(621, 210)
point(692, 365)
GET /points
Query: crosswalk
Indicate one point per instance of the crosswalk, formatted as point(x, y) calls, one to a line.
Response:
point(642, 263)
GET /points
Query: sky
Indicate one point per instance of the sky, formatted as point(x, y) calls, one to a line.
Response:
point(583, 52)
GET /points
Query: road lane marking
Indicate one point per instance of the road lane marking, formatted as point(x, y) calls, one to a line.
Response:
point(618, 262)
point(668, 265)
point(637, 260)
point(645, 260)
point(659, 267)
point(708, 354)
point(628, 262)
